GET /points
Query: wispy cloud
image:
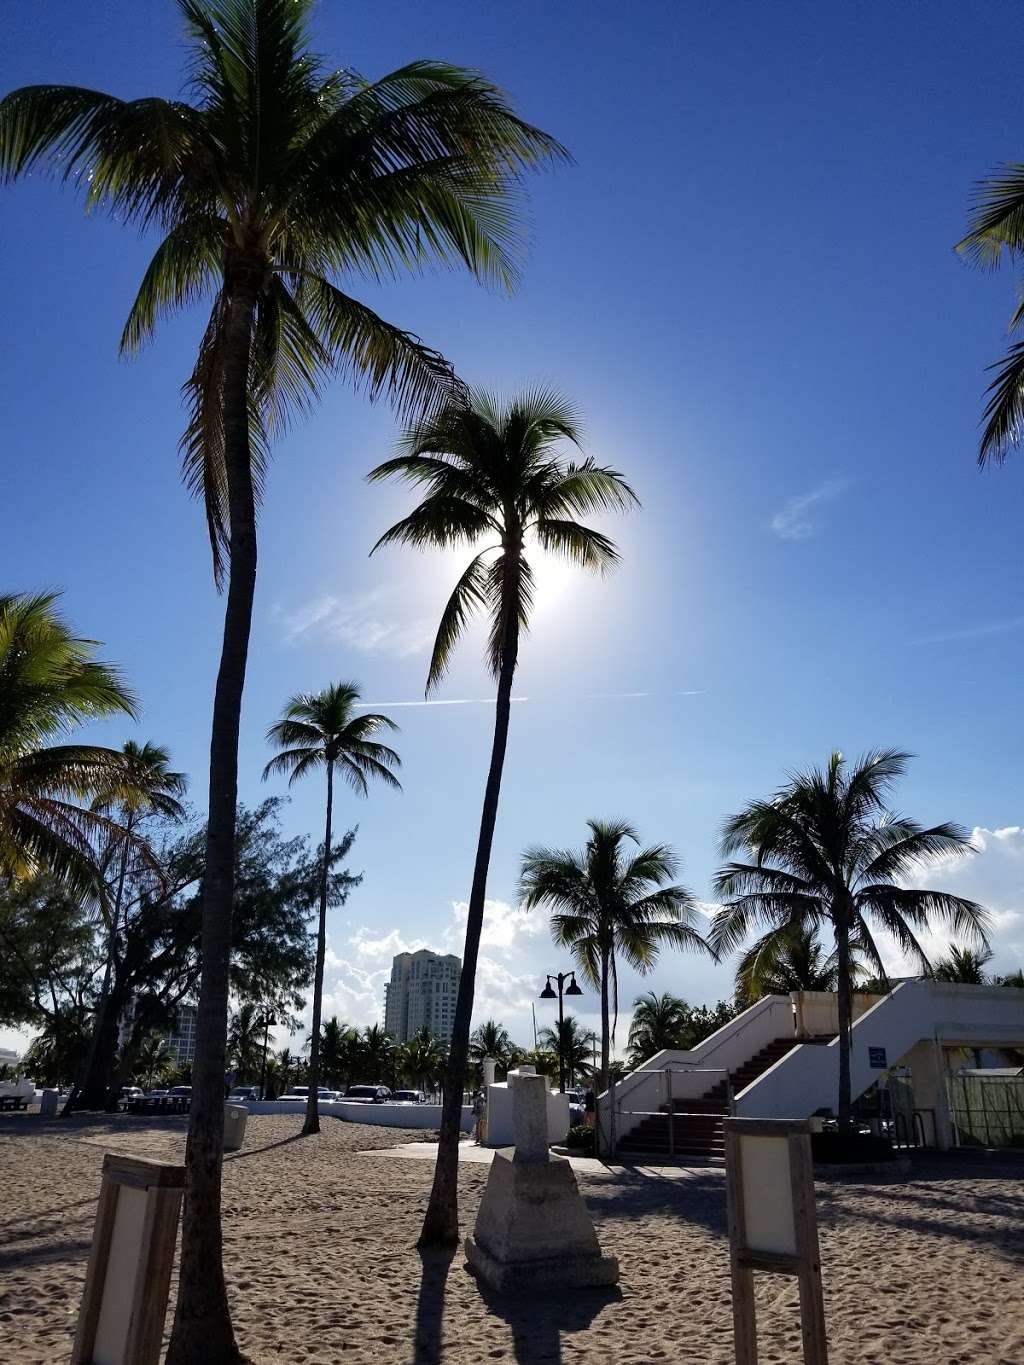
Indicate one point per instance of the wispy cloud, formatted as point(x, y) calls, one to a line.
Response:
point(366, 621)
point(436, 701)
point(489, 701)
point(794, 521)
point(978, 632)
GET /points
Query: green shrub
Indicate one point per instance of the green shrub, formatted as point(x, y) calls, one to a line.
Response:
point(581, 1139)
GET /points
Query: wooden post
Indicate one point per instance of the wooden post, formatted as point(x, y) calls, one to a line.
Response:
point(124, 1302)
point(778, 1233)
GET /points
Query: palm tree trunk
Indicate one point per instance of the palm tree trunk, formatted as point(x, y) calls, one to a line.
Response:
point(90, 1091)
point(842, 928)
point(441, 1224)
point(202, 1333)
point(605, 1025)
point(312, 1123)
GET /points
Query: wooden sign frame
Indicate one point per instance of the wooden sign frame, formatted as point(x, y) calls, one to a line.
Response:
point(803, 1260)
point(135, 1293)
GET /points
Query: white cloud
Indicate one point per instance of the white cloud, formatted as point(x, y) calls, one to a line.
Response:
point(793, 522)
point(978, 632)
point(366, 621)
point(994, 877)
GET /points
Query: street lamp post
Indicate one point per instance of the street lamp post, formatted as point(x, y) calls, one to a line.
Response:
point(268, 1022)
point(549, 994)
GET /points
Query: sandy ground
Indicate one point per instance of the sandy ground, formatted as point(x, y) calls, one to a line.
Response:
point(319, 1236)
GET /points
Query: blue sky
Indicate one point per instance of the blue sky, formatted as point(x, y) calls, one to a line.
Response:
point(747, 284)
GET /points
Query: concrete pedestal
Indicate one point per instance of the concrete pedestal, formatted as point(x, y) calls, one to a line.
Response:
point(533, 1230)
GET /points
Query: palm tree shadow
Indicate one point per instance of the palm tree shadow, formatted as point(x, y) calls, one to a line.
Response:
point(540, 1321)
point(436, 1266)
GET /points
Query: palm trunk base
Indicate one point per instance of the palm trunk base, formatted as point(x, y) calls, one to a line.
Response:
point(202, 1333)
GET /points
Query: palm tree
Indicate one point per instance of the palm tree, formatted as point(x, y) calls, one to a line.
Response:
point(607, 902)
point(783, 961)
point(659, 1022)
point(827, 854)
point(245, 1040)
point(280, 178)
point(493, 472)
point(335, 1050)
point(326, 730)
point(544, 1061)
point(422, 1059)
point(995, 227)
point(1013, 979)
point(491, 1039)
point(156, 790)
point(152, 1060)
point(50, 683)
point(376, 1048)
point(572, 1045)
point(963, 966)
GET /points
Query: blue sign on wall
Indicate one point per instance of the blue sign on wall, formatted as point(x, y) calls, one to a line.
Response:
point(876, 1058)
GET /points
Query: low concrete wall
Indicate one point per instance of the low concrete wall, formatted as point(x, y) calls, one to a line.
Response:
point(499, 1116)
point(381, 1115)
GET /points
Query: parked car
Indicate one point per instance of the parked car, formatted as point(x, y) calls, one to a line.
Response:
point(296, 1092)
point(368, 1094)
point(155, 1094)
point(409, 1097)
point(245, 1092)
point(131, 1092)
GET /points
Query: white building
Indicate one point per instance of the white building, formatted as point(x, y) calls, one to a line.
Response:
point(181, 1042)
point(422, 990)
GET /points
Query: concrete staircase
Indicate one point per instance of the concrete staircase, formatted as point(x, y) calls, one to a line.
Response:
point(694, 1133)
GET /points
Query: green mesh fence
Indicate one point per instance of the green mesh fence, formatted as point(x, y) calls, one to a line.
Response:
point(988, 1111)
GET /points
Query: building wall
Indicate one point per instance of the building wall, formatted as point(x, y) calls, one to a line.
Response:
point(422, 991)
point(181, 1042)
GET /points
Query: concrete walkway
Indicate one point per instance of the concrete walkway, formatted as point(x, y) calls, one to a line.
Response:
point(583, 1165)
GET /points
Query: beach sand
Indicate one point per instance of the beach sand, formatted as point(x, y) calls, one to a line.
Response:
point(321, 1266)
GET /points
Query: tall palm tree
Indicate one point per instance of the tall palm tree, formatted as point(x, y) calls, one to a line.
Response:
point(826, 853)
point(995, 229)
point(659, 1022)
point(965, 966)
point(50, 683)
point(493, 473)
point(786, 960)
point(327, 730)
point(280, 178)
point(157, 790)
point(571, 1045)
point(606, 902)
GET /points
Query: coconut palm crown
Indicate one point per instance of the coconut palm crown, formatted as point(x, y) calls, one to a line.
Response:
point(826, 853)
point(50, 683)
point(278, 176)
point(996, 232)
point(493, 473)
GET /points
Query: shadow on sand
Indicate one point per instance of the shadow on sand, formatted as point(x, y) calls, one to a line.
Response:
point(538, 1324)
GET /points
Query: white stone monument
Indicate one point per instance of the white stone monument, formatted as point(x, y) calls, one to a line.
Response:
point(533, 1230)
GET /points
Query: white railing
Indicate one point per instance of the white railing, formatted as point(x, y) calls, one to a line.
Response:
point(807, 1078)
point(725, 1050)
